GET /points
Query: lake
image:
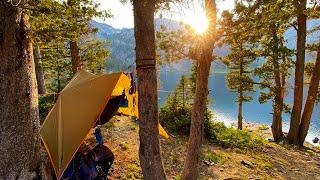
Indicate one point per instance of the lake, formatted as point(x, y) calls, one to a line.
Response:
point(225, 108)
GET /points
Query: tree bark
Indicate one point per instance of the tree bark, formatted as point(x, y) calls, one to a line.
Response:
point(203, 58)
point(39, 70)
point(19, 117)
point(276, 126)
point(240, 118)
point(75, 58)
point(74, 48)
point(190, 170)
point(299, 72)
point(149, 149)
point(311, 98)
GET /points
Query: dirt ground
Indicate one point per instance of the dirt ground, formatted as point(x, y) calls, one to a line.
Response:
point(270, 162)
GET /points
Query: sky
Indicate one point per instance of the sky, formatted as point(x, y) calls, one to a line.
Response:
point(123, 15)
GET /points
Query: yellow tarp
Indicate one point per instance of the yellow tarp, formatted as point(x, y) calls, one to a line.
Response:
point(77, 109)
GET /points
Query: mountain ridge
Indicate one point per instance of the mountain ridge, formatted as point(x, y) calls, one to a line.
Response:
point(123, 44)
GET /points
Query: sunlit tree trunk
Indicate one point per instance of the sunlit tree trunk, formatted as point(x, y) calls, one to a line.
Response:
point(203, 56)
point(74, 48)
point(311, 98)
point(299, 72)
point(39, 69)
point(149, 149)
point(75, 58)
point(19, 117)
point(276, 126)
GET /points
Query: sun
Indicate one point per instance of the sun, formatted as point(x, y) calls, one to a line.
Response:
point(198, 22)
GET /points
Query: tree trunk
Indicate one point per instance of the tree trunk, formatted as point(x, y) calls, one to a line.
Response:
point(203, 57)
point(240, 118)
point(75, 58)
point(311, 98)
point(39, 70)
point(74, 48)
point(190, 170)
point(149, 150)
point(240, 97)
point(299, 72)
point(19, 117)
point(276, 126)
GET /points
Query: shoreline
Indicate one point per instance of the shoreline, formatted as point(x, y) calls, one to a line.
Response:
point(264, 131)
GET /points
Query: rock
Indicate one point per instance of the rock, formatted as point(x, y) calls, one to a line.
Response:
point(315, 140)
point(206, 162)
point(248, 164)
point(221, 170)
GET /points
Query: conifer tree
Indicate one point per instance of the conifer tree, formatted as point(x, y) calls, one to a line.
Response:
point(202, 53)
point(300, 12)
point(240, 58)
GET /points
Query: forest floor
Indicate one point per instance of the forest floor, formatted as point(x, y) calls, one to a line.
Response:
point(272, 161)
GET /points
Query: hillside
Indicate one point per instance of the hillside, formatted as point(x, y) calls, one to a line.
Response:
point(269, 161)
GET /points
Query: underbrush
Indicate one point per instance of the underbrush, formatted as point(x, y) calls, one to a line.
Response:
point(175, 116)
point(218, 133)
point(177, 121)
point(214, 157)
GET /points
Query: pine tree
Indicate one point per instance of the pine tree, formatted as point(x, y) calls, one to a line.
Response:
point(265, 26)
point(53, 24)
point(202, 53)
point(300, 8)
point(239, 60)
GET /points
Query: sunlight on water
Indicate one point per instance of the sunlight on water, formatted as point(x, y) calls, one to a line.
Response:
point(223, 104)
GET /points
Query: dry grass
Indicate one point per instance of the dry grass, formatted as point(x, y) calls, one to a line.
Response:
point(272, 161)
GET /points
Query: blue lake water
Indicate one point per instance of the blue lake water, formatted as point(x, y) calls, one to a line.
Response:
point(225, 108)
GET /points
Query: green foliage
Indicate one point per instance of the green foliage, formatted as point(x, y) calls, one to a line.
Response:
point(175, 115)
point(211, 157)
point(54, 24)
point(220, 157)
point(57, 68)
point(309, 69)
point(46, 102)
point(94, 53)
point(176, 120)
point(232, 138)
point(134, 171)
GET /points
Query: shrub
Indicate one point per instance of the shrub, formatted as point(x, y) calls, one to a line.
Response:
point(178, 119)
point(175, 116)
point(134, 171)
point(218, 133)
